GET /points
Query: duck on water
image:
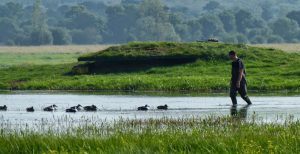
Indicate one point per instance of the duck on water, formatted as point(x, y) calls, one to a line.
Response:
point(74, 109)
point(50, 108)
point(78, 107)
point(3, 108)
point(163, 107)
point(144, 108)
point(85, 108)
point(30, 109)
point(90, 108)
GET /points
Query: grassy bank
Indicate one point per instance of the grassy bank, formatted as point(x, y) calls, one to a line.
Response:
point(207, 69)
point(193, 135)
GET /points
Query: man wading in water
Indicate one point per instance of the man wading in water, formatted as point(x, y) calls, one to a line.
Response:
point(238, 81)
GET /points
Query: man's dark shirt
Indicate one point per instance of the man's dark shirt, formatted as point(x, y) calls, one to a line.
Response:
point(236, 66)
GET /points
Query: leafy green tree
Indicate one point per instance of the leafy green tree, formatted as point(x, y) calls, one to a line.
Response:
point(41, 37)
point(130, 1)
point(154, 23)
point(258, 40)
point(62, 10)
point(228, 38)
point(11, 10)
point(8, 30)
point(195, 30)
point(267, 10)
point(22, 39)
point(286, 28)
point(121, 19)
point(294, 15)
point(241, 38)
point(156, 20)
point(80, 18)
point(258, 31)
point(183, 31)
point(60, 36)
point(40, 34)
point(150, 30)
point(154, 9)
point(212, 6)
point(175, 18)
point(211, 26)
point(275, 39)
point(86, 36)
point(181, 28)
point(243, 21)
point(228, 20)
point(38, 20)
point(97, 8)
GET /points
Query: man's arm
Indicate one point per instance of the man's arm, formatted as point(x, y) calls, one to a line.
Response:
point(238, 84)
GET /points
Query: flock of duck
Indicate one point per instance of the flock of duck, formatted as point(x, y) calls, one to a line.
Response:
point(74, 109)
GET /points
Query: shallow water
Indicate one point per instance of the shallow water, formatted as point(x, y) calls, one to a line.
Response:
point(114, 107)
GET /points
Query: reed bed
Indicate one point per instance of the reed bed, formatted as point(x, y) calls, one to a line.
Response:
point(166, 135)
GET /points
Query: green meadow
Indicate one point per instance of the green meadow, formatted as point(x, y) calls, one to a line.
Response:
point(151, 66)
point(21, 59)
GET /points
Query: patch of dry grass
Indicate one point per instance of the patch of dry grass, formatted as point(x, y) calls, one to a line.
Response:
point(288, 47)
point(53, 49)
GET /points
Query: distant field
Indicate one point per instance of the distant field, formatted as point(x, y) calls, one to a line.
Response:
point(295, 47)
point(42, 55)
point(53, 49)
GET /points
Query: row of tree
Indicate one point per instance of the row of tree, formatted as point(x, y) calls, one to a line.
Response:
point(147, 20)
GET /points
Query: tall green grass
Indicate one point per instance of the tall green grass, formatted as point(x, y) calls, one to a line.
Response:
point(186, 135)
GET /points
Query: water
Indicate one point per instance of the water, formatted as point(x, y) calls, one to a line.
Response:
point(114, 107)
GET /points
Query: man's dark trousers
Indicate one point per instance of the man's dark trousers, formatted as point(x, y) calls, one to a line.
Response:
point(242, 91)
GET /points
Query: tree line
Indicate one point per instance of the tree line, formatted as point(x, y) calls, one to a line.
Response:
point(92, 22)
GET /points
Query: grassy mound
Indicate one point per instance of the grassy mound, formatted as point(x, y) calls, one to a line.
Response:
point(160, 66)
point(201, 50)
point(144, 55)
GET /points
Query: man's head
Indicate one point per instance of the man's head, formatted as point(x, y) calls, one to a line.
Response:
point(232, 55)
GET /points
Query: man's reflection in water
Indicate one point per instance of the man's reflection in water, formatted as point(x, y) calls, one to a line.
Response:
point(240, 114)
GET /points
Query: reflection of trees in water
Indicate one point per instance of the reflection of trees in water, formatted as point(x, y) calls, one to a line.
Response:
point(240, 114)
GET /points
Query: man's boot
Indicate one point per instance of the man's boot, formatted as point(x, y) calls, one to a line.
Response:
point(247, 99)
point(234, 101)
